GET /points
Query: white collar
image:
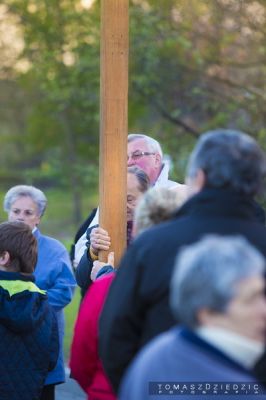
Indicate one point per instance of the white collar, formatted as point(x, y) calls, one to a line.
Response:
point(163, 177)
point(240, 348)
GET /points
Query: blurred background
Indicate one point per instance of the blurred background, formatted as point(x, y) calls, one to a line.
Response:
point(194, 65)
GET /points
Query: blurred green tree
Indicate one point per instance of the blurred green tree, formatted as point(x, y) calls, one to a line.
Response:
point(194, 65)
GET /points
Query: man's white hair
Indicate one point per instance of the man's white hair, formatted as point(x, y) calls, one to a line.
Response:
point(153, 144)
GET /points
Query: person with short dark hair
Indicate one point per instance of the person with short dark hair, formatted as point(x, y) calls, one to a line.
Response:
point(53, 271)
point(226, 171)
point(28, 329)
point(217, 295)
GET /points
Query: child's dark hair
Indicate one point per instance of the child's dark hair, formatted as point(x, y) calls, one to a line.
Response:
point(17, 239)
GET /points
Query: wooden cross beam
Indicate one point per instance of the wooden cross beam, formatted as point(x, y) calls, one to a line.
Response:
point(113, 123)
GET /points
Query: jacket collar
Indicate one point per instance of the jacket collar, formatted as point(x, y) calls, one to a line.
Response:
point(15, 276)
point(36, 233)
point(163, 177)
point(221, 202)
point(191, 337)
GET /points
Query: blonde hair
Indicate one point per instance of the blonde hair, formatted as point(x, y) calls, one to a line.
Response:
point(157, 205)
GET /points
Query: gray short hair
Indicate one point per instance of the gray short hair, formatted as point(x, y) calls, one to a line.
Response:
point(142, 177)
point(157, 205)
point(18, 191)
point(206, 275)
point(153, 144)
point(230, 159)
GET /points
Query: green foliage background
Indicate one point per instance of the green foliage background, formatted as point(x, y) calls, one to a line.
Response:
point(194, 65)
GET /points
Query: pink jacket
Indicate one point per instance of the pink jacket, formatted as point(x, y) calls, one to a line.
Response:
point(85, 364)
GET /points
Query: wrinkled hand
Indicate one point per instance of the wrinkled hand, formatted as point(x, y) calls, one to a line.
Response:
point(98, 265)
point(99, 240)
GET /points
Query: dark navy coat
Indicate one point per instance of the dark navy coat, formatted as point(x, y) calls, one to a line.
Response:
point(137, 306)
point(28, 337)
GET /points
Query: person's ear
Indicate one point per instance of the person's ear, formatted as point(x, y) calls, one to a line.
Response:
point(158, 160)
point(4, 258)
point(200, 179)
point(207, 317)
point(203, 316)
point(196, 183)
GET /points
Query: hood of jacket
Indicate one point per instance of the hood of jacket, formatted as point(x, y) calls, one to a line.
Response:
point(23, 306)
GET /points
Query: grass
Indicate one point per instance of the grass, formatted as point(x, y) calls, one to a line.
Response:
point(71, 312)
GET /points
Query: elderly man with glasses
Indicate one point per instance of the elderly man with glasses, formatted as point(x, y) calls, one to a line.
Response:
point(145, 153)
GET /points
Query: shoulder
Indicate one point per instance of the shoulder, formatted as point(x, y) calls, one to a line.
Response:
point(53, 242)
point(145, 365)
point(158, 233)
point(95, 295)
point(149, 249)
point(84, 225)
point(54, 245)
point(174, 185)
point(155, 350)
point(159, 345)
point(102, 284)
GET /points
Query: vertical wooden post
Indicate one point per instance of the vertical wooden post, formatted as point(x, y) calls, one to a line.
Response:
point(113, 122)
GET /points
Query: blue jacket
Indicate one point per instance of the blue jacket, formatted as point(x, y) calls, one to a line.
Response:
point(53, 273)
point(180, 360)
point(29, 337)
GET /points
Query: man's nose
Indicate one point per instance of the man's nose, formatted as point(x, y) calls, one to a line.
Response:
point(130, 162)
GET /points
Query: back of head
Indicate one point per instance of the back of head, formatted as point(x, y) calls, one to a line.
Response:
point(17, 239)
point(206, 275)
point(229, 159)
point(157, 205)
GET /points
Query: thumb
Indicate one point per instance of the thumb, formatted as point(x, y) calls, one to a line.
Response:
point(111, 258)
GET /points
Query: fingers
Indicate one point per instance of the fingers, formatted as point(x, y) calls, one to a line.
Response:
point(100, 244)
point(99, 232)
point(99, 239)
point(97, 265)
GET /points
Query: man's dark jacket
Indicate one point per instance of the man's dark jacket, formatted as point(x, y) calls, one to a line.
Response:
point(83, 270)
point(137, 306)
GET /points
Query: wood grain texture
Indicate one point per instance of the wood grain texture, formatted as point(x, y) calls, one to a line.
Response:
point(114, 123)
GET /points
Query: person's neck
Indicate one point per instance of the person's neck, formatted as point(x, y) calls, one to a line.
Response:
point(238, 347)
point(9, 268)
point(154, 178)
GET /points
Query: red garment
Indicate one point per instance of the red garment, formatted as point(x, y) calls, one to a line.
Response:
point(85, 364)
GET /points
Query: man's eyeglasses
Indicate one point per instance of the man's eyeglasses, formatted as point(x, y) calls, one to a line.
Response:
point(138, 154)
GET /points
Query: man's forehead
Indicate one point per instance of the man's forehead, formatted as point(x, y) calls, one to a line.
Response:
point(138, 144)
